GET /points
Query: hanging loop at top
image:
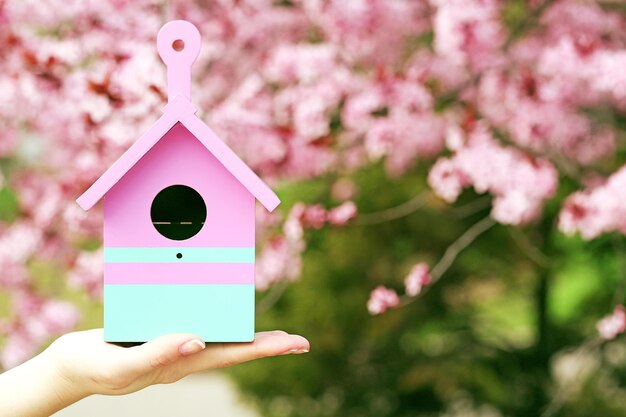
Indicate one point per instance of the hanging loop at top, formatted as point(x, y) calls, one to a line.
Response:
point(178, 43)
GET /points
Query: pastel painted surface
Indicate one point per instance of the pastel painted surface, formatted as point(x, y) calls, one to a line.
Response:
point(179, 158)
point(217, 313)
point(193, 255)
point(172, 273)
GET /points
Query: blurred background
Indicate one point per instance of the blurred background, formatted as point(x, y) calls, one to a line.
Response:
point(451, 233)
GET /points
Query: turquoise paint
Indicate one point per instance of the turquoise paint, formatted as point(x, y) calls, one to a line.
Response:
point(216, 313)
point(203, 255)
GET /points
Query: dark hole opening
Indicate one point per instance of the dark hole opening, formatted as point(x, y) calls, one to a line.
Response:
point(178, 212)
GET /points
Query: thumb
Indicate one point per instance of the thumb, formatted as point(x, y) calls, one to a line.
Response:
point(164, 350)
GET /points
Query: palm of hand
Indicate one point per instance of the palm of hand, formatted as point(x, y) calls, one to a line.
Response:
point(84, 360)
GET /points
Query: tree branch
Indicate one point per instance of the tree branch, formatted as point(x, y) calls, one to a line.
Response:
point(392, 213)
point(459, 245)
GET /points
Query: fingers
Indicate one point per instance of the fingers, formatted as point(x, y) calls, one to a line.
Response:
point(220, 355)
point(184, 348)
point(163, 351)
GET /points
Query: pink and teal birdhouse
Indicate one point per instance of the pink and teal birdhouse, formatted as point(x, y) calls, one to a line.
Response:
point(179, 221)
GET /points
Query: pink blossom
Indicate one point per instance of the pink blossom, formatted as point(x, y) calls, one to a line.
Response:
point(87, 273)
point(37, 321)
point(519, 183)
point(515, 208)
point(447, 180)
point(17, 349)
point(59, 316)
point(426, 66)
point(358, 110)
point(541, 116)
point(14, 275)
point(342, 214)
point(367, 28)
point(344, 189)
point(614, 324)
point(311, 118)
point(303, 62)
point(382, 299)
point(405, 139)
point(279, 260)
point(79, 221)
point(8, 140)
point(596, 210)
point(396, 120)
point(566, 18)
point(314, 216)
point(19, 243)
point(468, 31)
point(417, 279)
point(293, 227)
point(307, 159)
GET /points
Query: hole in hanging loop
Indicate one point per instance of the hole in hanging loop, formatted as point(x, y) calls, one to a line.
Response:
point(178, 45)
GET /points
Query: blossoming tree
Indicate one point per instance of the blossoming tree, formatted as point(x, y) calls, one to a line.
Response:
point(511, 99)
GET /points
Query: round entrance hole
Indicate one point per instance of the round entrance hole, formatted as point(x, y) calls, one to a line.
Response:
point(178, 212)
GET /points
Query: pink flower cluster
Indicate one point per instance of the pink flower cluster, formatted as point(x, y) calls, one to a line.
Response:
point(469, 32)
point(409, 130)
point(614, 324)
point(36, 321)
point(382, 299)
point(418, 278)
point(280, 259)
point(87, 272)
point(316, 216)
point(519, 183)
point(596, 210)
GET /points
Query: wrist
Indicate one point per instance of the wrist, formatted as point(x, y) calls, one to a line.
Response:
point(66, 387)
point(37, 388)
point(55, 386)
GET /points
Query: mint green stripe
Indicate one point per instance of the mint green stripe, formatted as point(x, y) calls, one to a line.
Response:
point(204, 255)
point(216, 313)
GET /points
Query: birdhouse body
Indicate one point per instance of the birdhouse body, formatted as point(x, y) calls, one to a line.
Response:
point(179, 225)
point(155, 285)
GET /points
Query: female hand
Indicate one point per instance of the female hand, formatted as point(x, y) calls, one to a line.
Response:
point(80, 364)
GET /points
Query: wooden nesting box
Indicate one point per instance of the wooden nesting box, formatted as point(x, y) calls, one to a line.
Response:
point(179, 221)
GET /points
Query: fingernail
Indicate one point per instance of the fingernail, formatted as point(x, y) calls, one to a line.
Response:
point(296, 351)
point(191, 346)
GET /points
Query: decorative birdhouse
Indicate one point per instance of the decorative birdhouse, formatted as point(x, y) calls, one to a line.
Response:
point(179, 221)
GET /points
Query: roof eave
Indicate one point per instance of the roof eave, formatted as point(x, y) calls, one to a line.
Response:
point(231, 162)
point(180, 110)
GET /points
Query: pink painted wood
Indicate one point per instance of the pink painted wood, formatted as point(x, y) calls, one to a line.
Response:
point(179, 158)
point(178, 43)
point(178, 273)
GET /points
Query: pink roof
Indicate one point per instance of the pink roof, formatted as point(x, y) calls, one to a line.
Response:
point(180, 110)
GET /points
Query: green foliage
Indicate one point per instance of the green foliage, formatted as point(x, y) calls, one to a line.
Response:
point(9, 208)
point(487, 335)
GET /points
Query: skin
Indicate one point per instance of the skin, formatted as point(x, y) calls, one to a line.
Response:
point(81, 364)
